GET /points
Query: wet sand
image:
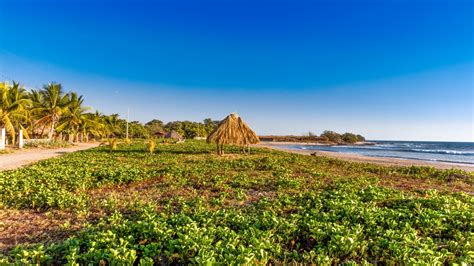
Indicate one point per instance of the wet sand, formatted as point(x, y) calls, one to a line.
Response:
point(365, 159)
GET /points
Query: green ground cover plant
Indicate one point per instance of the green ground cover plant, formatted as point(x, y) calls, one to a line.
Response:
point(183, 204)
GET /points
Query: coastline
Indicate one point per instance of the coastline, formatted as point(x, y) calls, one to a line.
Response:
point(386, 161)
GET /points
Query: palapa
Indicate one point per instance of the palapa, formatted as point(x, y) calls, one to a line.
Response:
point(174, 135)
point(232, 130)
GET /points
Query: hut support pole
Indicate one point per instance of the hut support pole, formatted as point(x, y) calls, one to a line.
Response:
point(220, 149)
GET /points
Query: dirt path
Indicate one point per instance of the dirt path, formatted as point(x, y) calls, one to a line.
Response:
point(25, 157)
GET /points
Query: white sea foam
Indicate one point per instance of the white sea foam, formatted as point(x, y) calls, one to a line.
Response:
point(446, 151)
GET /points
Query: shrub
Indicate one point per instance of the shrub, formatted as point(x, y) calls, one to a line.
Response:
point(332, 136)
point(113, 144)
point(360, 138)
point(47, 144)
point(349, 138)
point(151, 145)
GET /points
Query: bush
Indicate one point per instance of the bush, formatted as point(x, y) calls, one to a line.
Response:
point(344, 138)
point(151, 145)
point(332, 136)
point(349, 138)
point(113, 144)
point(47, 144)
point(360, 138)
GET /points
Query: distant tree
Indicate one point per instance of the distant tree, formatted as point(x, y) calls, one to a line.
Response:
point(93, 125)
point(137, 130)
point(349, 138)
point(209, 125)
point(332, 136)
point(190, 129)
point(174, 125)
point(360, 138)
point(155, 126)
point(113, 125)
point(323, 138)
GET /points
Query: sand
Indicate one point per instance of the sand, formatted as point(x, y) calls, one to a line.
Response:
point(24, 157)
point(366, 159)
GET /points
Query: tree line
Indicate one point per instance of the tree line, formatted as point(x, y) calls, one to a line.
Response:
point(53, 113)
point(347, 137)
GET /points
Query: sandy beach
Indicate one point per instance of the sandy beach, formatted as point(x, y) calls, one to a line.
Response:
point(365, 159)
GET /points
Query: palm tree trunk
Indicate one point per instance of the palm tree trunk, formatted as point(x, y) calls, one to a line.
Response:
point(42, 131)
point(51, 132)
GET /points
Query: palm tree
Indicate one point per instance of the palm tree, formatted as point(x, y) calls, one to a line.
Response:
point(93, 124)
point(113, 125)
point(73, 117)
point(52, 103)
point(14, 103)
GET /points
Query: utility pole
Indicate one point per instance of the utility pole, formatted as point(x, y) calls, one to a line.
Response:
point(128, 116)
point(2, 139)
point(20, 139)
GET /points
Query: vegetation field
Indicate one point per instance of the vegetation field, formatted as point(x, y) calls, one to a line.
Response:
point(183, 204)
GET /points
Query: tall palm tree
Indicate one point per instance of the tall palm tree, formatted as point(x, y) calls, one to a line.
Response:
point(53, 102)
point(14, 104)
point(35, 98)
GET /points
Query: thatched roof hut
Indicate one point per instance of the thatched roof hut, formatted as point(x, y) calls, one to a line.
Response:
point(159, 134)
point(174, 135)
point(232, 130)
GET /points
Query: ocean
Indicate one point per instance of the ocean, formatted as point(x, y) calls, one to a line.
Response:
point(451, 152)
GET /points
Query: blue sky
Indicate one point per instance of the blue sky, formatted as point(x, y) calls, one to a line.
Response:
point(386, 69)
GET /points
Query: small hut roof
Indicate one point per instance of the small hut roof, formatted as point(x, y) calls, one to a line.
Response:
point(173, 135)
point(159, 133)
point(233, 130)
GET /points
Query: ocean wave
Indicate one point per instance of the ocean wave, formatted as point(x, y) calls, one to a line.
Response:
point(445, 151)
point(389, 147)
point(423, 159)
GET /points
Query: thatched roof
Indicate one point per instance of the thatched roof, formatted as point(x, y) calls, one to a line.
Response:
point(233, 130)
point(173, 135)
point(159, 133)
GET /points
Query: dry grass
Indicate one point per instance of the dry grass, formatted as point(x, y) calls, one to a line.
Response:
point(30, 226)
